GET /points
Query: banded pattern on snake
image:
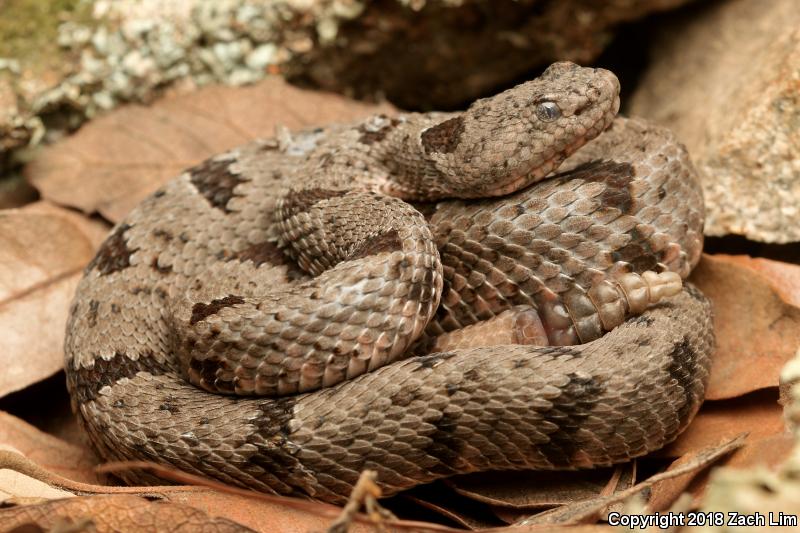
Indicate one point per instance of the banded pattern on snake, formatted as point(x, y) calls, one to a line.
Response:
point(306, 269)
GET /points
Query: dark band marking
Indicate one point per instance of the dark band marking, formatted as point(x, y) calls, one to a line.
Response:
point(208, 370)
point(300, 201)
point(444, 137)
point(617, 178)
point(638, 253)
point(214, 180)
point(421, 291)
point(261, 253)
point(385, 242)
point(201, 311)
point(428, 209)
point(683, 369)
point(276, 453)
point(568, 413)
point(114, 254)
point(85, 383)
point(447, 446)
point(370, 135)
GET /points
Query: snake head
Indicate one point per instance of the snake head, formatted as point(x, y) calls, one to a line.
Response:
point(506, 142)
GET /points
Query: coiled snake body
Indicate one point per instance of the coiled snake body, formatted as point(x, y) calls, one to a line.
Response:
point(292, 264)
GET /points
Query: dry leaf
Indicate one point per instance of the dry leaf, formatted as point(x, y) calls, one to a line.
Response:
point(111, 164)
point(42, 256)
point(256, 513)
point(438, 499)
point(757, 331)
point(19, 487)
point(116, 512)
point(770, 452)
point(262, 512)
point(757, 414)
point(95, 229)
point(535, 490)
point(784, 277)
point(53, 454)
point(589, 510)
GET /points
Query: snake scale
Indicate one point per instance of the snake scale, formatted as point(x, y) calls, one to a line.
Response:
point(405, 295)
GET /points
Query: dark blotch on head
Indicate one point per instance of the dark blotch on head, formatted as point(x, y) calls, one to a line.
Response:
point(444, 137)
point(201, 311)
point(114, 254)
point(214, 180)
point(388, 241)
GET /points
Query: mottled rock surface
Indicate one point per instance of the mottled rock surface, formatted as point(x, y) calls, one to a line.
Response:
point(440, 54)
point(422, 54)
point(726, 79)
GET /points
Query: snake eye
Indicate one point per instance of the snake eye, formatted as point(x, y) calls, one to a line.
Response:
point(548, 111)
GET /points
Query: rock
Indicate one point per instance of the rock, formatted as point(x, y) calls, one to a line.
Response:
point(445, 53)
point(726, 79)
point(12, 133)
point(420, 53)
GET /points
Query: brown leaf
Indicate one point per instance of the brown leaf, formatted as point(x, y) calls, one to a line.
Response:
point(116, 512)
point(589, 510)
point(770, 452)
point(263, 512)
point(16, 487)
point(111, 164)
point(95, 229)
point(53, 454)
point(42, 255)
point(757, 414)
point(535, 490)
point(757, 331)
point(784, 277)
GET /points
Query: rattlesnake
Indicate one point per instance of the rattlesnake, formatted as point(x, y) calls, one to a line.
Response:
point(291, 264)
